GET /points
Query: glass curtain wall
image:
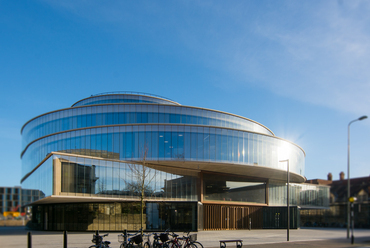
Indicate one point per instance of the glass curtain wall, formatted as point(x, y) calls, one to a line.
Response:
point(225, 188)
point(115, 216)
point(103, 115)
point(177, 143)
point(40, 182)
point(115, 98)
point(304, 195)
point(95, 177)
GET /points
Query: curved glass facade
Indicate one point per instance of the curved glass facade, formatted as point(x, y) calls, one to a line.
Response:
point(193, 154)
point(108, 115)
point(122, 98)
point(176, 142)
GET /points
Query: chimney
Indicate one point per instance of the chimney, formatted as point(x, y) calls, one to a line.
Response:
point(341, 176)
point(330, 177)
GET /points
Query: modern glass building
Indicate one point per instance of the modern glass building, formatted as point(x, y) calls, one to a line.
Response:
point(13, 199)
point(196, 163)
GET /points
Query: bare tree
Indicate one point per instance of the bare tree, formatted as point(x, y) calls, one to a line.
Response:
point(142, 177)
point(179, 157)
point(101, 187)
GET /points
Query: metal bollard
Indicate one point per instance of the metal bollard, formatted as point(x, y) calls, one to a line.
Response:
point(96, 234)
point(125, 236)
point(64, 239)
point(29, 240)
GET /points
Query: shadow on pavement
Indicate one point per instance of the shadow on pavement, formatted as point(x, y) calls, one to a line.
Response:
point(22, 230)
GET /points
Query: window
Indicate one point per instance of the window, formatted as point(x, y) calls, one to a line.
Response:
point(232, 189)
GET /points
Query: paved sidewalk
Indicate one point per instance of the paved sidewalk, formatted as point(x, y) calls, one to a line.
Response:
point(16, 237)
point(337, 243)
point(304, 237)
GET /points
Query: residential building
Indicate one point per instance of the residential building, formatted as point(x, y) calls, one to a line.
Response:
point(336, 215)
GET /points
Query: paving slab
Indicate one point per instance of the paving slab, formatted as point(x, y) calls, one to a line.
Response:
point(16, 237)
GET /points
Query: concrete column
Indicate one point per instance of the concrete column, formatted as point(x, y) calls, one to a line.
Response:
point(57, 176)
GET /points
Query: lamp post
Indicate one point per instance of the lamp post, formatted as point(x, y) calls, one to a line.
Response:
point(348, 179)
point(287, 201)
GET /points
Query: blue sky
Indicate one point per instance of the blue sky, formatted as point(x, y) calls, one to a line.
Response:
point(301, 68)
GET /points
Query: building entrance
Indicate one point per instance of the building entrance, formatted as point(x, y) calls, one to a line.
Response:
point(234, 217)
point(224, 217)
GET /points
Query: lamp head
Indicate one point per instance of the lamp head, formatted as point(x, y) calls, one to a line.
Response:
point(362, 118)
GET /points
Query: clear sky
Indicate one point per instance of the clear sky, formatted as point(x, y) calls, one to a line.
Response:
point(301, 68)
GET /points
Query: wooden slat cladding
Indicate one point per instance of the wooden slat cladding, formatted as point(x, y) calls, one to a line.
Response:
point(229, 217)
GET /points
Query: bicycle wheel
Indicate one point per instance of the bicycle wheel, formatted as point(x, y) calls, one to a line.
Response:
point(146, 245)
point(180, 243)
point(122, 245)
point(198, 244)
point(172, 244)
point(191, 245)
point(156, 244)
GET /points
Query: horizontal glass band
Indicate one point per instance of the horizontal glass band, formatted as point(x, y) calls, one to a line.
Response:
point(69, 119)
point(166, 142)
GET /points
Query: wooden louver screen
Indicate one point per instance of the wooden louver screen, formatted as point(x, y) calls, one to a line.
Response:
point(221, 217)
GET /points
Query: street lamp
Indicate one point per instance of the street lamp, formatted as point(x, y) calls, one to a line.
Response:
point(287, 201)
point(348, 180)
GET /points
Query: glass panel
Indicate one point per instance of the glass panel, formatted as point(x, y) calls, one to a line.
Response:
point(167, 145)
point(200, 144)
point(230, 188)
point(193, 148)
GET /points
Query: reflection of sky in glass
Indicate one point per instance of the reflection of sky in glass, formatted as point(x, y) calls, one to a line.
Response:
point(300, 194)
point(41, 179)
point(70, 119)
point(171, 143)
point(108, 178)
point(234, 185)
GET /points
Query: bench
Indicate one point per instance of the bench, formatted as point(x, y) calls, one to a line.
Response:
point(238, 242)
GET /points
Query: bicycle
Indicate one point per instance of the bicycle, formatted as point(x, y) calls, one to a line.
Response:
point(176, 242)
point(191, 240)
point(188, 241)
point(147, 243)
point(134, 241)
point(160, 240)
point(98, 240)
